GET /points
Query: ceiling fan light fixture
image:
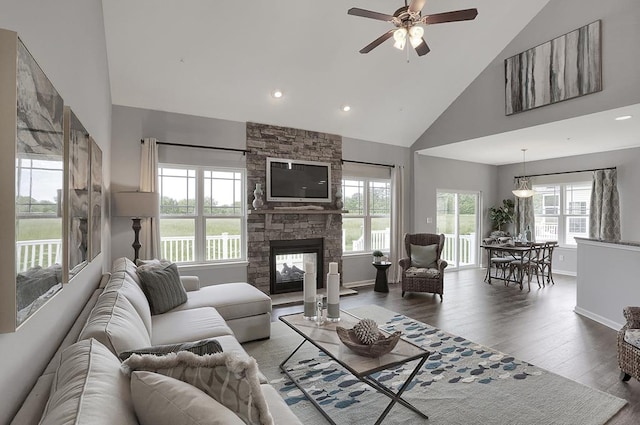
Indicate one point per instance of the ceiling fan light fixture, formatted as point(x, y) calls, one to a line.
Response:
point(400, 37)
point(415, 35)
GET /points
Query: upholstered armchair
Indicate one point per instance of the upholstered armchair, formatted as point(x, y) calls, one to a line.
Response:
point(423, 271)
point(629, 344)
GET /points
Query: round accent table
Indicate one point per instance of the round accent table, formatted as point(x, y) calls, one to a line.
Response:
point(381, 276)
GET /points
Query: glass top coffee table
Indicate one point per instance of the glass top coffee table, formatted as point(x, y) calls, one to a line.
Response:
point(326, 339)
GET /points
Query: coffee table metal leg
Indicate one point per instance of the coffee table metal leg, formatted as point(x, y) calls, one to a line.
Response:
point(306, 394)
point(397, 397)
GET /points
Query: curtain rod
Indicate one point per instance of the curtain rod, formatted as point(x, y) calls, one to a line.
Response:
point(565, 172)
point(369, 163)
point(244, 151)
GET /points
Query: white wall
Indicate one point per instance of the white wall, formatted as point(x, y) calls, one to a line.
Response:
point(67, 39)
point(479, 110)
point(627, 162)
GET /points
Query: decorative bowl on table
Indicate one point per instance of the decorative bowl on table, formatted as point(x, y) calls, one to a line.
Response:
point(382, 345)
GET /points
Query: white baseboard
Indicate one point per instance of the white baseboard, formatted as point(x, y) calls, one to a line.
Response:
point(596, 317)
point(358, 283)
point(565, 272)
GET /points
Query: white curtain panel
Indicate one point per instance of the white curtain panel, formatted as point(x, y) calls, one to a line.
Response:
point(604, 214)
point(524, 215)
point(397, 222)
point(150, 232)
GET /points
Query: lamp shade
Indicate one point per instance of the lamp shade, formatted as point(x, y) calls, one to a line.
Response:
point(136, 204)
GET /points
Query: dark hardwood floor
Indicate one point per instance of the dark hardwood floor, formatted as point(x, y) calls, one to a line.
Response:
point(538, 326)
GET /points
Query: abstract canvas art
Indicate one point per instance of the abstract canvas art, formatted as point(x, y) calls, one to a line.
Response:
point(566, 67)
point(96, 199)
point(78, 202)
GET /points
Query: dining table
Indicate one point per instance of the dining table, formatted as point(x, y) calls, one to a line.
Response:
point(518, 253)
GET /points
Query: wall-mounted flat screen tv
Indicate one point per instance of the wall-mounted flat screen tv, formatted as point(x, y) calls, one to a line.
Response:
point(290, 180)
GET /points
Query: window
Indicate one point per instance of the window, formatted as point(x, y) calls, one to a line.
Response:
point(562, 212)
point(201, 213)
point(367, 225)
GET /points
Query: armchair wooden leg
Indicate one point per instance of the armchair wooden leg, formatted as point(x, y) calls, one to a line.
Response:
point(624, 376)
point(440, 297)
point(403, 294)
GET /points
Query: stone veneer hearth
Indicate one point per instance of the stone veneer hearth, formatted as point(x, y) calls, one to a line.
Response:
point(281, 142)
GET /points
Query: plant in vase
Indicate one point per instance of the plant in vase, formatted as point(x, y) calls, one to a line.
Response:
point(377, 256)
point(501, 216)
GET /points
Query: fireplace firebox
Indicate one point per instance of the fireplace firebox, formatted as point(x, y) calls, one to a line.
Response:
point(286, 263)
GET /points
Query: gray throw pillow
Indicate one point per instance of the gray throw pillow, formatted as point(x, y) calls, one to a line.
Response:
point(202, 347)
point(162, 286)
point(424, 256)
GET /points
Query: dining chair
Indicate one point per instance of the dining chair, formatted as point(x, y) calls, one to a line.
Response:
point(546, 261)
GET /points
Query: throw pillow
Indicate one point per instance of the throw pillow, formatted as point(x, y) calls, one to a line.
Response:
point(231, 378)
point(162, 286)
point(161, 400)
point(425, 256)
point(202, 347)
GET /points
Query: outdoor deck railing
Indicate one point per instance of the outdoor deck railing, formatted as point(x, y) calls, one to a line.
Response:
point(380, 240)
point(218, 247)
point(467, 249)
point(42, 252)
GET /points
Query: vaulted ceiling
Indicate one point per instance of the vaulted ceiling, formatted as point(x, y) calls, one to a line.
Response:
point(222, 59)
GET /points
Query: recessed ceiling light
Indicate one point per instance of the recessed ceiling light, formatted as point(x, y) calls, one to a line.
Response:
point(276, 94)
point(623, 117)
point(345, 108)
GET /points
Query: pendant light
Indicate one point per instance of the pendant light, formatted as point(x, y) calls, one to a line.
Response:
point(524, 190)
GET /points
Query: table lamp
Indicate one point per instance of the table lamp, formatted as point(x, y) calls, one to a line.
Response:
point(136, 205)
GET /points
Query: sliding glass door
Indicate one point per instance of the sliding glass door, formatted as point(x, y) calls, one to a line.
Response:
point(457, 218)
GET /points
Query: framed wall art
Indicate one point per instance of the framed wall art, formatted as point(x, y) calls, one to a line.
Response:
point(96, 199)
point(566, 67)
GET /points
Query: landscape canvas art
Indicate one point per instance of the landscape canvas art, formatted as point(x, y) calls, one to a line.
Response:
point(79, 180)
point(566, 67)
point(96, 199)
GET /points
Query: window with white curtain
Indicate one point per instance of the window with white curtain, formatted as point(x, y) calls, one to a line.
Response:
point(562, 212)
point(202, 213)
point(366, 192)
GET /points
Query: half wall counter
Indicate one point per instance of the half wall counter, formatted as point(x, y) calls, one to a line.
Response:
point(608, 279)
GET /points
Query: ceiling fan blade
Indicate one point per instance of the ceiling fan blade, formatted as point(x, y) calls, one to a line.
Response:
point(369, 14)
point(422, 48)
point(416, 5)
point(378, 41)
point(458, 15)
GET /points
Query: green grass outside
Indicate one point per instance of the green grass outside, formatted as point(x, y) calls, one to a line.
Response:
point(446, 223)
point(31, 229)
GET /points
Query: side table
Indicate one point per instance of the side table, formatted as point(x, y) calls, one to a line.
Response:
point(382, 284)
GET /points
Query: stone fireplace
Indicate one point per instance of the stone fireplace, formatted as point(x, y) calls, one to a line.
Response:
point(274, 222)
point(287, 263)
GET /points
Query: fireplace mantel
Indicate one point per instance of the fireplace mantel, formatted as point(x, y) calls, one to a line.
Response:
point(268, 214)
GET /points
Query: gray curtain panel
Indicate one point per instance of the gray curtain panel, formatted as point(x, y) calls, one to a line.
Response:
point(604, 214)
point(524, 215)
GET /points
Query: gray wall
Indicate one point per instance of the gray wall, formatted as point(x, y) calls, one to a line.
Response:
point(479, 110)
point(628, 163)
point(431, 174)
point(132, 124)
point(67, 40)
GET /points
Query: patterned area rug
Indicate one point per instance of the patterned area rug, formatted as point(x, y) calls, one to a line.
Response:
point(461, 383)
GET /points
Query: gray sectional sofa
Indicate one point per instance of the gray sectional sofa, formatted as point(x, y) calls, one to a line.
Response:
point(117, 318)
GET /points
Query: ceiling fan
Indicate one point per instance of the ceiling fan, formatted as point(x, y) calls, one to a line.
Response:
point(408, 20)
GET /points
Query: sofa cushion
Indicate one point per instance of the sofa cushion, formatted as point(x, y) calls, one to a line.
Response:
point(116, 324)
point(187, 325)
point(278, 408)
point(125, 265)
point(231, 300)
point(424, 255)
point(230, 378)
point(162, 400)
point(162, 286)
point(202, 347)
point(88, 388)
point(122, 282)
